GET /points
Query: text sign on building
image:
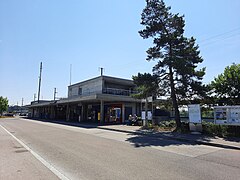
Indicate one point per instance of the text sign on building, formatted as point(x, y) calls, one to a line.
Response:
point(194, 113)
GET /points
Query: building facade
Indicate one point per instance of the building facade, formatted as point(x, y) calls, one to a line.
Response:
point(102, 99)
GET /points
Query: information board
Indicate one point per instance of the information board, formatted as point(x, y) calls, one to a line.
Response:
point(194, 113)
point(229, 115)
point(221, 115)
point(149, 115)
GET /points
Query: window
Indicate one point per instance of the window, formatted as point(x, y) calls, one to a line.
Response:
point(79, 91)
point(70, 92)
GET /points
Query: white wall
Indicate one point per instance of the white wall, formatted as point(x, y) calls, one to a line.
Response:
point(89, 87)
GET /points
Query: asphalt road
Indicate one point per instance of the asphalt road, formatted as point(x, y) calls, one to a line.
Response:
point(90, 153)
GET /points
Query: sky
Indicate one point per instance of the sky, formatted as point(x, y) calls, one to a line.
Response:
point(90, 34)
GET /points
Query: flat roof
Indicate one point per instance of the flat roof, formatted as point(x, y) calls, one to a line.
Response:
point(107, 78)
point(91, 98)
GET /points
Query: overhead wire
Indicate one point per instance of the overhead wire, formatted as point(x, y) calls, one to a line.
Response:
point(219, 35)
point(205, 42)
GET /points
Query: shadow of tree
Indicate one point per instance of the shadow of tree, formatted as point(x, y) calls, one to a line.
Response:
point(72, 123)
point(176, 139)
point(144, 140)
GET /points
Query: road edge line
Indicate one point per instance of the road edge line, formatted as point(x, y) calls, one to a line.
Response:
point(38, 157)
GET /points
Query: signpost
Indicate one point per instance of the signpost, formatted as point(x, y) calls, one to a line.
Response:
point(195, 121)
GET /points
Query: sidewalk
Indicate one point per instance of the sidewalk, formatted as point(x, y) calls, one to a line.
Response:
point(16, 162)
point(230, 143)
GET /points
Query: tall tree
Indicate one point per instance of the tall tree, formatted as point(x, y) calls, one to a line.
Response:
point(227, 85)
point(177, 56)
point(147, 85)
point(3, 104)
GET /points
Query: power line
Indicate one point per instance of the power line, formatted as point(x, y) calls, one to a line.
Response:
point(224, 38)
point(219, 35)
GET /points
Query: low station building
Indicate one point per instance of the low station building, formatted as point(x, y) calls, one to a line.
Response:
point(102, 99)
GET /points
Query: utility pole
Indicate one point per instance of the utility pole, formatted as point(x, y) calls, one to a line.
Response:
point(22, 105)
point(70, 74)
point(34, 97)
point(54, 95)
point(40, 77)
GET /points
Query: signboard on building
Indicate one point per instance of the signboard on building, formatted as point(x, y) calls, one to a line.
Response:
point(229, 115)
point(194, 113)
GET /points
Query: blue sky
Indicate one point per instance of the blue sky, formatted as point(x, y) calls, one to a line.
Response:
point(90, 34)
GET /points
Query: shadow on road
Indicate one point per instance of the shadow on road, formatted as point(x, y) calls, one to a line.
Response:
point(71, 123)
point(155, 140)
point(169, 138)
point(145, 138)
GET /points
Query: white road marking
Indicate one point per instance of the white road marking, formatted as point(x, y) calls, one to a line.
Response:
point(38, 157)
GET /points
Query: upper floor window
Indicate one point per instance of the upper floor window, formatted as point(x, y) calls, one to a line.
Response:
point(70, 91)
point(79, 91)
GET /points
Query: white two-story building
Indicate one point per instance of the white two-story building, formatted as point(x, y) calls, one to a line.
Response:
point(102, 99)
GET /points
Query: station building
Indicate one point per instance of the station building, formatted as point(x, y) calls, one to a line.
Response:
point(102, 99)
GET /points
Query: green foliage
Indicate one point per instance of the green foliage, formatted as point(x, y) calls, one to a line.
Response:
point(207, 112)
point(177, 56)
point(214, 129)
point(3, 104)
point(227, 85)
point(221, 130)
point(167, 124)
point(147, 85)
point(162, 126)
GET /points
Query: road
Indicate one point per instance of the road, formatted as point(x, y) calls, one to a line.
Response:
point(91, 153)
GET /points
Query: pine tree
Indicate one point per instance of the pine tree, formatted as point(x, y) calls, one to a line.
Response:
point(147, 86)
point(177, 56)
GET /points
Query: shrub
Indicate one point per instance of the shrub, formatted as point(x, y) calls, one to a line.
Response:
point(220, 130)
point(168, 124)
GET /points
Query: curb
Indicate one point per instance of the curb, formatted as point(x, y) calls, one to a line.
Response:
point(175, 138)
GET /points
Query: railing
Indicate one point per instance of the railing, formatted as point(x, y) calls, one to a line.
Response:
point(113, 91)
point(121, 92)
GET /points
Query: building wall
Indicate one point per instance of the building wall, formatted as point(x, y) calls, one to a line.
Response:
point(89, 87)
point(100, 84)
point(117, 86)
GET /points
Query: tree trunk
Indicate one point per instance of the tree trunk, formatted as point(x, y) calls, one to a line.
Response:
point(174, 99)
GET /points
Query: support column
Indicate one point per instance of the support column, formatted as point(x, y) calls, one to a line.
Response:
point(134, 108)
point(52, 112)
point(102, 111)
point(67, 113)
point(82, 113)
point(33, 115)
point(123, 113)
